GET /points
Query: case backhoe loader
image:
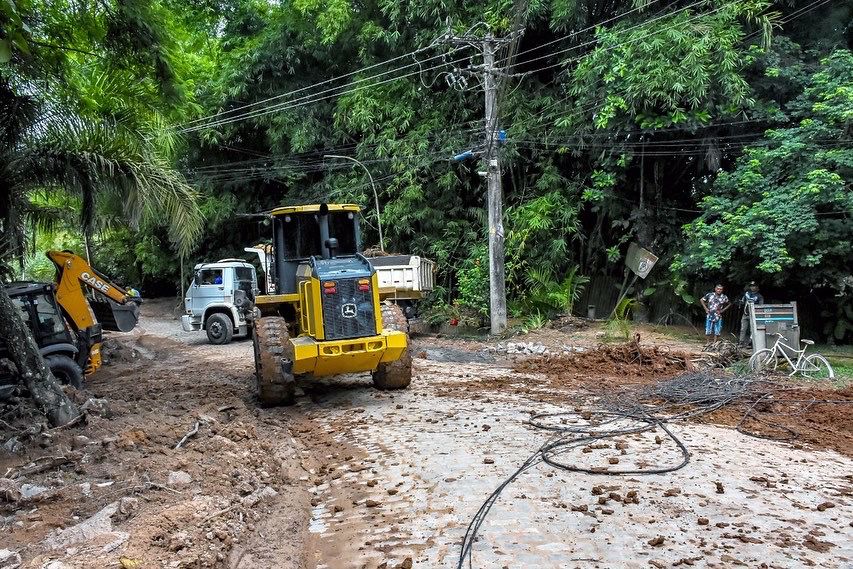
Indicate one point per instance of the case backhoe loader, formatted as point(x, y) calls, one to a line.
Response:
point(322, 313)
point(66, 323)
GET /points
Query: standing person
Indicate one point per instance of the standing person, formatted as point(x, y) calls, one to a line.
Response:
point(751, 296)
point(714, 303)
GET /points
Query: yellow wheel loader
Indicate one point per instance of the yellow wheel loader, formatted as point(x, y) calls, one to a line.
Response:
point(321, 314)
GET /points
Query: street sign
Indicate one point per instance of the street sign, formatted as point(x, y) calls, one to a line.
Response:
point(640, 260)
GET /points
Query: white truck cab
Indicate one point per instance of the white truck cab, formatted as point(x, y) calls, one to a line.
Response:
point(220, 299)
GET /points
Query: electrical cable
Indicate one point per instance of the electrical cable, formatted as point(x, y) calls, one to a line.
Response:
point(684, 397)
point(277, 97)
point(587, 29)
point(313, 97)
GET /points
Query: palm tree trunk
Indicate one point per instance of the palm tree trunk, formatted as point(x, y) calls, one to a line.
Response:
point(24, 353)
point(86, 244)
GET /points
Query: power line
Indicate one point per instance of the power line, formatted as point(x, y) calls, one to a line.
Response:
point(587, 29)
point(327, 81)
point(335, 92)
point(296, 103)
point(579, 113)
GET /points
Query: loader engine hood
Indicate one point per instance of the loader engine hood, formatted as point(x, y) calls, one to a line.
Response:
point(348, 310)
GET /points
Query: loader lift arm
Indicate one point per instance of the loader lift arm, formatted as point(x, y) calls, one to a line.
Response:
point(120, 312)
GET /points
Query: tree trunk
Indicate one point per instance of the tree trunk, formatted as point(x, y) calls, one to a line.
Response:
point(24, 353)
point(86, 239)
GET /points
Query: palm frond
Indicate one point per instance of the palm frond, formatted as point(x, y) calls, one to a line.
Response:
point(90, 159)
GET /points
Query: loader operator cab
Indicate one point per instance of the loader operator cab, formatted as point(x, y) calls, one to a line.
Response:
point(302, 233)
point(36, 303)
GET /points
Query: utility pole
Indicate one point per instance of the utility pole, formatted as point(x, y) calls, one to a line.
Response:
point(490, 81)
point(497, 276)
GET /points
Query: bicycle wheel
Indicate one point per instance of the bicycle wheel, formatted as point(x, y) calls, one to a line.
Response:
point(763, 360)
point(817, 367)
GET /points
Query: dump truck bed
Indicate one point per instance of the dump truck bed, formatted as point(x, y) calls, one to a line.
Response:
point(404, 276)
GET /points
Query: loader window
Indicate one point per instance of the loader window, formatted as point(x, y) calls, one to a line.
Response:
point(50, 323)
point(23, 308)
point(342, 227)
point(301, 236)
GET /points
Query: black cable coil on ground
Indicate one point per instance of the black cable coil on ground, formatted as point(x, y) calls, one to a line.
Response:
point(683, 397)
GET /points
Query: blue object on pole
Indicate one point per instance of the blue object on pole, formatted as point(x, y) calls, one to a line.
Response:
point(464, 156)
point(501, 136)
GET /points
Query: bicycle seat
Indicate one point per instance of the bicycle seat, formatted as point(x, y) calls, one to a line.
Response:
point(807, 342)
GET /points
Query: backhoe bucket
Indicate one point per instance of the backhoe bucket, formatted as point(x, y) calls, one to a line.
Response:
point(114, 316)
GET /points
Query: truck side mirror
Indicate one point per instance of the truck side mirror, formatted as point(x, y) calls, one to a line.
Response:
point(197, 279)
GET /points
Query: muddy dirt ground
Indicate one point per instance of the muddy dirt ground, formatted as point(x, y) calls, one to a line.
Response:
point(353, 477)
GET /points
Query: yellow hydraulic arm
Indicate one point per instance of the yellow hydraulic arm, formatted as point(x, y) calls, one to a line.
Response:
point(72, 272)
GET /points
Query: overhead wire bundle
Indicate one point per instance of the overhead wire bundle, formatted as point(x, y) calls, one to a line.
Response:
point(626, 414)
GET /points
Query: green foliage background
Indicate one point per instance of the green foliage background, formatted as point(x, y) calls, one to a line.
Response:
point(716, 133)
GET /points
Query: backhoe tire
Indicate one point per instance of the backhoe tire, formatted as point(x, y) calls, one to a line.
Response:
point(219, 328)
point(273, 362)
point(396, 374)
point(65, 370)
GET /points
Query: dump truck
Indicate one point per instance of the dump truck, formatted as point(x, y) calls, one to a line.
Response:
point(404, 279)
point(66, 323)
point(321, 313)
point(220, 298)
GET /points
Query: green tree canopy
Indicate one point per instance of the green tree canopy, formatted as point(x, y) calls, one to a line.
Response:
point(786, 209)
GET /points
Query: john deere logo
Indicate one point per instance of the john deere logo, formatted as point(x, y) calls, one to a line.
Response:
point(349, 310)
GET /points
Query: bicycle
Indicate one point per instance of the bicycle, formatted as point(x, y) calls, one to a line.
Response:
point(813, 366)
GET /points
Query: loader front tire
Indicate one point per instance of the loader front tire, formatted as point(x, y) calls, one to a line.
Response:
point(273, 362)
point(396, 374)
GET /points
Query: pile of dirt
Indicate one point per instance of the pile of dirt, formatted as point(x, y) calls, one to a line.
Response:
point(122, 481)
point(791, 412)
point(609, 365)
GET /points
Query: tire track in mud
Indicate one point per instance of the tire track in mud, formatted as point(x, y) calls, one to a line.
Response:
point(362, 513)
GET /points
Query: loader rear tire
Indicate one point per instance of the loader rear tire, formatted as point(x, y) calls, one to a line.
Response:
point(273, 362)
point(396, 374)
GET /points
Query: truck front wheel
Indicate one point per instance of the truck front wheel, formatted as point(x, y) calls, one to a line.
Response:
point(219, 328)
